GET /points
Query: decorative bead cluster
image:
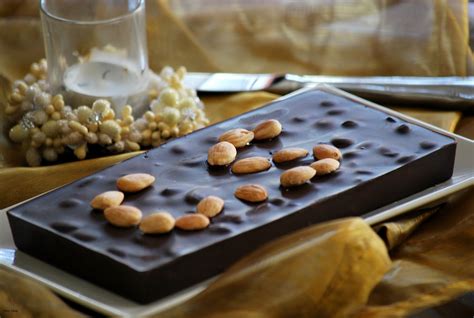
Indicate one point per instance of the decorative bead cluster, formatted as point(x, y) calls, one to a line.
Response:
point(46, 127)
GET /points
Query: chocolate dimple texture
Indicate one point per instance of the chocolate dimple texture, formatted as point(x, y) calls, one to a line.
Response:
point(335, 112)
point(406, 159)
point(168, 192)
point(298, 119)
point(88, 181)
point(342, 142)
point(324, 123)
point(183, 178)
point(349, 124)
point(403, 129)
point(387, 152)
point(326, 103)
point(427, 145)
point(219, 229)
point(85, 236)
point(64, 227)
point(67, 203)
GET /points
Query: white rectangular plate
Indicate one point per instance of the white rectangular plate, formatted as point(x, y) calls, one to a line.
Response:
point(103, 301)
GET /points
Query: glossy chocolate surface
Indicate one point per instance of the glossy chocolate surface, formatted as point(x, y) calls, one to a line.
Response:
point(384, 159)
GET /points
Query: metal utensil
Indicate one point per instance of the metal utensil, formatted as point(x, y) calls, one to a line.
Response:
point(454, 93)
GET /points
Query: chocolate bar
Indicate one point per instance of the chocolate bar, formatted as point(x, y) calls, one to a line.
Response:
point(384, 159)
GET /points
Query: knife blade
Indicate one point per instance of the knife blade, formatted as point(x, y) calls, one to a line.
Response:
point(454, 93)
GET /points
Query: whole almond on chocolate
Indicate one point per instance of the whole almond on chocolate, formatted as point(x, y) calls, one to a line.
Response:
point(289, 154)
point(135, 182)
point(192, 222)
point(325, 166)
point(157, 223)
point(107, 199)
point(251, 165)
point(123, 215)
point(297, 176)
point(326, 151)
point(210, 206)
point(221, 154)
point(239, 137)
point(267, 130)
point(251, 193)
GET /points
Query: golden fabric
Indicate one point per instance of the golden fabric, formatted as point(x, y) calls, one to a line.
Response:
point(20, 297)
point(431, 250)
point(317, 272)
point(366, 37)
point(394, 37)
point(432, 266)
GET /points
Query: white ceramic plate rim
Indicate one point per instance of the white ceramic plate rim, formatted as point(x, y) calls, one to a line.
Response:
point(105, 302)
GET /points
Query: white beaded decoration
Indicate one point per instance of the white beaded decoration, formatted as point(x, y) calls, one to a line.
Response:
point(46, 127)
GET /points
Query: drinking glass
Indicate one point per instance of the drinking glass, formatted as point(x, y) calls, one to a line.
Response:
point(96, 49)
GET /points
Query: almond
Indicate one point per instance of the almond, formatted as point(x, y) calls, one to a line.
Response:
point(289, 154)
point(326, 151)
point(157, 223)
point(192, 222)
point(325, 166)
point(123, 215)
point(210, 206)
point(107, 199)
point(239, 137)
point(297, 176)
point(251, 165)
point(267, 130)
point(135, 182)
point(251, 193)
point(221, 154)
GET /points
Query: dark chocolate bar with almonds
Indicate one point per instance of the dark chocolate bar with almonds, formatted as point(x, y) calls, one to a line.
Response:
point(384, 159)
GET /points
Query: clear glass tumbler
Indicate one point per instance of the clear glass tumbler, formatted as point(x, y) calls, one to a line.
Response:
point(96, 49)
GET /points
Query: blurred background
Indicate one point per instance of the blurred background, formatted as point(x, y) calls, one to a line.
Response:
point(368, 37)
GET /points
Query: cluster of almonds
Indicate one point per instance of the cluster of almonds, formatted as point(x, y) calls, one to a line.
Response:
point(225, 152)
point(46, 127)
point(221, 154)
point(155, 223)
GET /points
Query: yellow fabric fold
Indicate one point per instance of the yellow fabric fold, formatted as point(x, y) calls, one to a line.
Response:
point(432, 266)
point(396, 231)
point(20, 297)
point(293, 277)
